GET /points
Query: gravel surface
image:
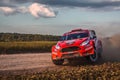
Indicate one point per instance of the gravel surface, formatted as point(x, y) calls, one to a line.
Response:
point(25, 61)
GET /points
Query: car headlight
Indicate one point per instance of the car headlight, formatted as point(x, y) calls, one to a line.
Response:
point(57, 47)
point(85, 43)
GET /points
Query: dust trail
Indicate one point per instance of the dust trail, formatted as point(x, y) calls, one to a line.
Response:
point(111, 48)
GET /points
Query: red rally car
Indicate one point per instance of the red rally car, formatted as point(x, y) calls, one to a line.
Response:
point(77, 43)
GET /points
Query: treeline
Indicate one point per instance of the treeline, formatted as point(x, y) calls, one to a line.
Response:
point(6, 37)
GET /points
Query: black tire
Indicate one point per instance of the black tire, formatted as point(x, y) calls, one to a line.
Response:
point(100, 52)
point(93, 58)
point(58, 62)
point(70, 61)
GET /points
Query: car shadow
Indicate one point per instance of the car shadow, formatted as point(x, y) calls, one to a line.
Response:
point(84, 62)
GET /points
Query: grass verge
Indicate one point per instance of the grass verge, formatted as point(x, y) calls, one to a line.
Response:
point(25, 47)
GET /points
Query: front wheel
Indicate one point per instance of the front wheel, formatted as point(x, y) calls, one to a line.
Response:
point(93, 58)
point(58, 62)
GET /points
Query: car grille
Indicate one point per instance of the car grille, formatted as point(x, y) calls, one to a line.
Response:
point(71, 55)
point(69, 49)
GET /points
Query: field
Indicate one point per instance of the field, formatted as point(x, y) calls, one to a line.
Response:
point(25, 47)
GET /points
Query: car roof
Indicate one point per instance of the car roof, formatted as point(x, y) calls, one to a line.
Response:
point(76, 31)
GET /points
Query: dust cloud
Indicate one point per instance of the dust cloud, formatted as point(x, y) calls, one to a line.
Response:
point(111, 48)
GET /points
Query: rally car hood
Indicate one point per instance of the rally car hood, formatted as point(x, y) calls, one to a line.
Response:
point(74, 42)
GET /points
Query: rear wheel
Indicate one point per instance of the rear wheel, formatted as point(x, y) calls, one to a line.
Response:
point(58, 62)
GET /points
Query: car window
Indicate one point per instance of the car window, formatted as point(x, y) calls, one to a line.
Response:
point(74, 36)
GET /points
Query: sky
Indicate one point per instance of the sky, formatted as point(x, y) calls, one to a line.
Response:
point(56, 17)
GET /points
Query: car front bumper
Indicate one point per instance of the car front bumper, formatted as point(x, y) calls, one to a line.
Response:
point(83, 51)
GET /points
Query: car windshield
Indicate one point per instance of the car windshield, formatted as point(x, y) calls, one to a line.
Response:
point(74, 36)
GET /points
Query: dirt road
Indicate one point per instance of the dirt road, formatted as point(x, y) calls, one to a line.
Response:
point(25, 61)
point(40, 60)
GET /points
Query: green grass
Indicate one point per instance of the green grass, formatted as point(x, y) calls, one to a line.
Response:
point(106, 71)
point(22, 47)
